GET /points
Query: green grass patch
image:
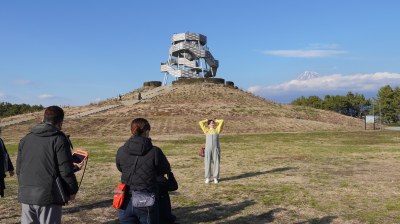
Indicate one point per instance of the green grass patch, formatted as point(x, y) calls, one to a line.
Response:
point(393, 205)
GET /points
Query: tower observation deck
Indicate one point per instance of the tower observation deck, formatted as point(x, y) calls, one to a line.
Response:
point(189, 57)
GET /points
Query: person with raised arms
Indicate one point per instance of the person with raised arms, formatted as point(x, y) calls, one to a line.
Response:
point(212, 128)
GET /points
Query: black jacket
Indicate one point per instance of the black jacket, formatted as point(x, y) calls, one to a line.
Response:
point(164, 202)
point(4, 161)
point(44, 154)
point(151, 162)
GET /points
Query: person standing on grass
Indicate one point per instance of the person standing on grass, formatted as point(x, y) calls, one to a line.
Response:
point(45, 159)
point(5, 165)
point(212, 129)
point(140, 163)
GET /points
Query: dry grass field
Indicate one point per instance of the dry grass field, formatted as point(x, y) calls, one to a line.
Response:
point(309, 177)
point(279, 163)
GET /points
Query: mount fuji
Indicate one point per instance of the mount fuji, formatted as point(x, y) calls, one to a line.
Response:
point(307, 75)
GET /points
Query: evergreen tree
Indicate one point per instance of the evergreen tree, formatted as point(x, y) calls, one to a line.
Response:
point(311, 101)
point(386, 101)
point(358, 105)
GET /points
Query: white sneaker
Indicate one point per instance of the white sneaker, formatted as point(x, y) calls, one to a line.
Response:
point(215, 181)
point(207, 180)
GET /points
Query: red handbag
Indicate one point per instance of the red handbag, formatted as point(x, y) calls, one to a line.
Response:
point(120, 190)
point(201, 153)
point(119, 195)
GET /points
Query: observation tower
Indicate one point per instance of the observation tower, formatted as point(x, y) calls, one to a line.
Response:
point(189, 57)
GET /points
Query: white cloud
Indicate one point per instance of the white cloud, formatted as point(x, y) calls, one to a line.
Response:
point(45, 96)
point(315, 50)
point(22, 82)
point(305, 53)
point(331, 84)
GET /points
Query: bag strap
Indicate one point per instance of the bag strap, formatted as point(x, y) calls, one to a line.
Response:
point(133, 169)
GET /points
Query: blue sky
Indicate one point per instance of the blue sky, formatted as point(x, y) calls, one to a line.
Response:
point(78, 52)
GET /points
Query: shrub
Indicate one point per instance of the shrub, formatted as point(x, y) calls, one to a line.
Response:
point(152, 84)
point(230, 84)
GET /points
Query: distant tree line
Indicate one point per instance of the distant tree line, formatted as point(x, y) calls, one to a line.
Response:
point(352, 104)
point(8, 109)
point(387, 104)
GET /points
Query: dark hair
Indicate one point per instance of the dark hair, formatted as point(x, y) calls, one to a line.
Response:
point(53, 115)
point(209, 121)
point(139, 126)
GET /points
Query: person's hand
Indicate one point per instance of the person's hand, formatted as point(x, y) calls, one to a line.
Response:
point(72, 197)
point(80, 165)
point(11, 172)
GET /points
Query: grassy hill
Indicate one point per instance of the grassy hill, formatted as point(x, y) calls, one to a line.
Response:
point(178, 112)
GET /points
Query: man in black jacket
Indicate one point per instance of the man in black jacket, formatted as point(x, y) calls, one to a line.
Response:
point(45, 158)
point(5, 165)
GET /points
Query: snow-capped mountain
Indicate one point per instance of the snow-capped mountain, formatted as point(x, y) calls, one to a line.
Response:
point(308, 75)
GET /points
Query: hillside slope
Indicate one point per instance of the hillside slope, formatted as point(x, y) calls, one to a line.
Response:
point(179, 111)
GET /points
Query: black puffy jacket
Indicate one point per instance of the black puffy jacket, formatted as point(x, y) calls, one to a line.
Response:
point(151, 162)
point(44, 154)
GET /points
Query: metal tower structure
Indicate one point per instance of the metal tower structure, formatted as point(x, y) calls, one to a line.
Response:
point(189, 57)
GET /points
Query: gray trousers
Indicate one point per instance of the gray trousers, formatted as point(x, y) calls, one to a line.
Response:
point(211, 155)
point(36, 214)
